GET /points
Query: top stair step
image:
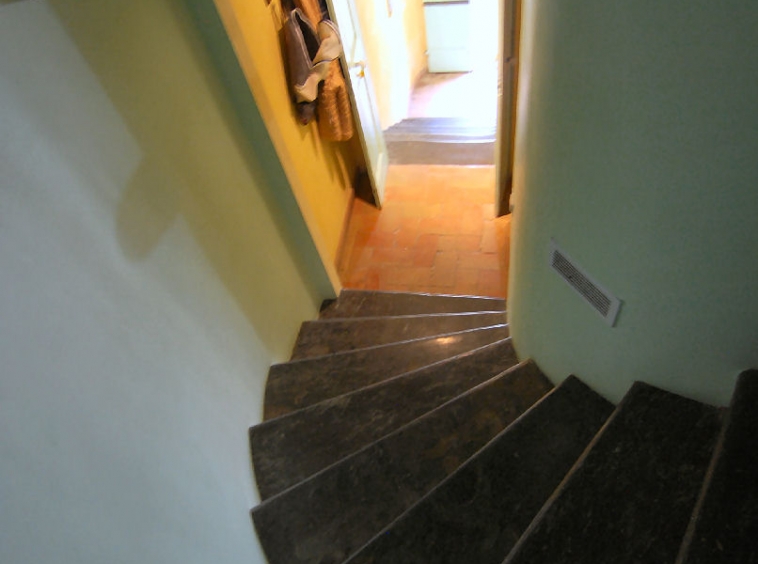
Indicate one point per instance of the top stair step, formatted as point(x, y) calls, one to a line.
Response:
point(300, 383)
point(326, 336)
point(725, 527)
point(629, 497)
point(365, 303)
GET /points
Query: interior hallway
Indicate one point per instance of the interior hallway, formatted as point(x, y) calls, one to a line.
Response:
point(437, 233)
point(468, 95)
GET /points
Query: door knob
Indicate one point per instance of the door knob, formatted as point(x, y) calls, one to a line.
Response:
point(359, 65)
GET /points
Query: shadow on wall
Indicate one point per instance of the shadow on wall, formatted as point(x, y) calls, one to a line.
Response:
point(196, 162)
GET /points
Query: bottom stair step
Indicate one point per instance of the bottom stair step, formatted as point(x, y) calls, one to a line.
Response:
point(332, 514)
point(478, 513)
point(629, 497)
point(725, 529)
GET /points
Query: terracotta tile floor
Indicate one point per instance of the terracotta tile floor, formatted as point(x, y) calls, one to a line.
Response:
point(436, 233)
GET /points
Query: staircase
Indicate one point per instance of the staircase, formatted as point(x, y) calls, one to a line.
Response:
point(406, 430)
point(441, 140)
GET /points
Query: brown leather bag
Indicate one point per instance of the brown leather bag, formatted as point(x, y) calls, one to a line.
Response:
point(309, 53)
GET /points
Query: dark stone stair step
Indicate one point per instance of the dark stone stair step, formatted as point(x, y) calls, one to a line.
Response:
point(473, 153)
point(724, 528)
point(441, 128)
point(326, 432)
point(441, 141)
point(329, 516)
point(298, 384)
point(326, 336)
point(630, 495)
point(478, 513)
point(367, 303)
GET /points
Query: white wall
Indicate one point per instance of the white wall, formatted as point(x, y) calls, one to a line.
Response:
point(636, 151)
point(145, 288)
point(396, 51)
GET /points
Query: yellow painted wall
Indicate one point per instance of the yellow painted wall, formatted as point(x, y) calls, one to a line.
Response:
point(320, 172)
point(395, 48)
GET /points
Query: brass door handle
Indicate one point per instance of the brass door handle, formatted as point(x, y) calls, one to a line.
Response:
point(359, 65)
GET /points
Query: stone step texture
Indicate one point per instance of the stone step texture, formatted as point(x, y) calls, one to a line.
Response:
point(724, 528)
point(326, 432)
point(367, 303)
point(441, 141)
point(442, 128)
point(629, 497)
point(406, 430)
point(327, 336)
point(332, 514)
point(478, 513)
point(298, 384)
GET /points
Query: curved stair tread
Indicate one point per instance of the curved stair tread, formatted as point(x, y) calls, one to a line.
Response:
point(332, 514)
point(478, 513)
point(371, 303)
point(453, 486)
point(326, 336)
point(324, 433)
point(297, 384)
point(725, 526)
point(630, 495)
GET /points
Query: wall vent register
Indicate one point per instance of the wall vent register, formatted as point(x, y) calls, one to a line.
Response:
point(600, 299)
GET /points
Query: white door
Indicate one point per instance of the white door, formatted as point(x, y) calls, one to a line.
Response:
point(361, 90)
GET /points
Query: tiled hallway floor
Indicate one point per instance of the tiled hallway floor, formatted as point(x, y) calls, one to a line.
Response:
point(436, 233)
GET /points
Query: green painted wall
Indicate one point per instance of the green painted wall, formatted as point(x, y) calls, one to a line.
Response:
point(636, 151)
point(148, 279)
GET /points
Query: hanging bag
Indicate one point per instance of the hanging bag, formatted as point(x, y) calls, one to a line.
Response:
point(335, 117)
point(309, 53)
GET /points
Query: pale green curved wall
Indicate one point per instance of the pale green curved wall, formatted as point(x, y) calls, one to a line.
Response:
point(151, 269)
point(638, 152)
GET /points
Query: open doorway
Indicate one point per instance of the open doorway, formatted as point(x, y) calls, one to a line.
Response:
point(452, 109)
point(470, 93)
point(437, 231)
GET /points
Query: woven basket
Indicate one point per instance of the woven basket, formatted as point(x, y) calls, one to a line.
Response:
point(335, 118)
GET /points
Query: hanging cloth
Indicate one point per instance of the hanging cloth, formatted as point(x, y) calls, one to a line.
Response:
point(312, 10)
point(335, 117)
point(310, 51)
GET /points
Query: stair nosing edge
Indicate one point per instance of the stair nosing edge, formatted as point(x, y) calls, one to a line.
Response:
point(393, 378)
point(399, 430)
point(470, 460)
point(405, 316)
point(372, 347)
point(564, 483)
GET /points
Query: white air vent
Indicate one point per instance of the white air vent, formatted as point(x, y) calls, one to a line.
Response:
point(601, 300)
